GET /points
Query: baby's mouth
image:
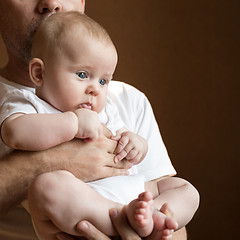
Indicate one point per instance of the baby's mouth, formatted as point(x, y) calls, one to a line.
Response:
point(86, 106)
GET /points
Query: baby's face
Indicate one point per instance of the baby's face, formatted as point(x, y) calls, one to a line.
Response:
point(78, 77)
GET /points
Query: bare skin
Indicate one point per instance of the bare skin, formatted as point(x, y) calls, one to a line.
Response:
point(50, 193)
point(144, 218)
point(49, 196)
point(119, 219)
point(14, 185)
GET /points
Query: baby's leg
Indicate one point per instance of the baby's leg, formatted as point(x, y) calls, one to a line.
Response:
point(164, 226)
point(140, 214)
point(61, 198)
point(145, 220)
point(164, 220)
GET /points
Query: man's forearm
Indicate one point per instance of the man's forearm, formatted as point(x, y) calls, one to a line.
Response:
point(87, 161)
point(17, 170)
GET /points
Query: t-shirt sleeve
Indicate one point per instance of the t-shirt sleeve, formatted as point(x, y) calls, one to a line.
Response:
point(137, 115)
point(157, 162)
point(110, 116)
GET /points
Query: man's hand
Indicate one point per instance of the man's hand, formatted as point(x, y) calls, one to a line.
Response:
point(87, 161)
point(88, 231)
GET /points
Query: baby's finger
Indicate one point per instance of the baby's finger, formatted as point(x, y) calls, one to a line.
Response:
point(132, 154)
point(116, 137)
point(120, 156)
point(122, 143)
point(136, 159)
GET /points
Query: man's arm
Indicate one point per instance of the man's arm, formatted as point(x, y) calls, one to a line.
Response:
point(181, 234)
point(87, 161)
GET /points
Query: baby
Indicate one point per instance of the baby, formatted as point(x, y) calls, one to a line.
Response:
point(73, 61)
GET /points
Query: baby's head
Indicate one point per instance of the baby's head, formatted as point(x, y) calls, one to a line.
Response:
point(73, 60)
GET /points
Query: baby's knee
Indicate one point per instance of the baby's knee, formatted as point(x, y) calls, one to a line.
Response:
point(47, 187)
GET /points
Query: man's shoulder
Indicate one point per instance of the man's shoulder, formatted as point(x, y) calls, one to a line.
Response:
point(121, 89)
point(8, 86)
point(128, 100)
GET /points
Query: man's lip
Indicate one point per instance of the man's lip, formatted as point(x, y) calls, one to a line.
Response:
point(50, 14)
point(86, 106)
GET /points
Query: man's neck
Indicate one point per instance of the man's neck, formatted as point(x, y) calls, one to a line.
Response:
point(16, 72)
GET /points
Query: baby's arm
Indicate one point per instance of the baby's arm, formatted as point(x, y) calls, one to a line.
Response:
point(89, 125)
point(36, 132)
point(130, 146)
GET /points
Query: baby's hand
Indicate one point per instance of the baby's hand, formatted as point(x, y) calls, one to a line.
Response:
point(89, 126)
point(131, 147)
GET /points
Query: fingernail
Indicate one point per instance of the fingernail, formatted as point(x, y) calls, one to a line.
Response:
point(83, 226)
point(113, 213)
point(60, 236)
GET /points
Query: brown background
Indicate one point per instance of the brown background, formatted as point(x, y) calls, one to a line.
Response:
point(184, 55)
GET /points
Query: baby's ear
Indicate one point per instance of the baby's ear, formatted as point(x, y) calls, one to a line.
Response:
point(36, 69)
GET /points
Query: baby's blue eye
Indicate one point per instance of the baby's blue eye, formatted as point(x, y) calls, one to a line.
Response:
point(102, 82)
point(82, 75)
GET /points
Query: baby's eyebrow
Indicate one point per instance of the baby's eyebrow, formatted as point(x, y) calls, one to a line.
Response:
point(81, 67)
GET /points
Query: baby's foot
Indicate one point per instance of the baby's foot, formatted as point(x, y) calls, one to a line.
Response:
point(139, 213)
point(164, 226)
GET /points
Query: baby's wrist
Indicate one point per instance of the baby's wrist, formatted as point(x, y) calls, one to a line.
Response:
point(74, 121)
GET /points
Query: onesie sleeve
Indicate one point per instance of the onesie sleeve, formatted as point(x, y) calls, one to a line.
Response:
point(15, 102)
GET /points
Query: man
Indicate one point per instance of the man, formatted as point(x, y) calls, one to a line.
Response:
point(18, 21)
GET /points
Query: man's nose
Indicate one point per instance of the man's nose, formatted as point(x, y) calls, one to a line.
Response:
point(48, 6)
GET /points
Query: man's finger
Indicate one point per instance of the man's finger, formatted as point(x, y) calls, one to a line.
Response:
point(110, 172)
point(106, 143)
point(124, 164)
point(120, 156)
point(122, 226)
point(106, 132)
point(90, 232)
point(64, 236)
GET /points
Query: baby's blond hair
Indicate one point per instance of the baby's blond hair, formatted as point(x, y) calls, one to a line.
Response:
point(53, 32)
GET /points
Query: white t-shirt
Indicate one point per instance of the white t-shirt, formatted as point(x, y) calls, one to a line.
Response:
point(137, 116)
